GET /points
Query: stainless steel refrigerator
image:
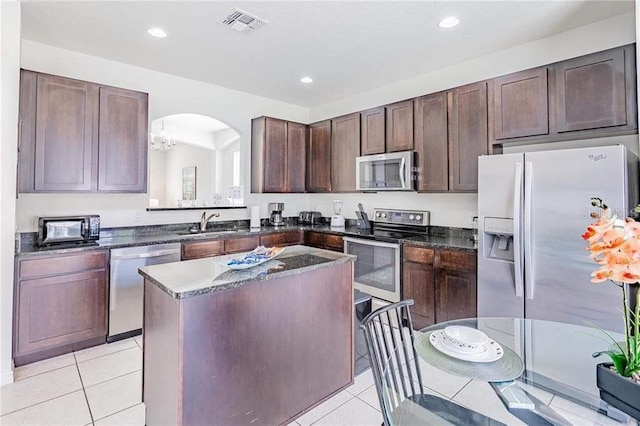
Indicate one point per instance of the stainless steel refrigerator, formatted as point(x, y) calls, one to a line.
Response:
point(533, 208)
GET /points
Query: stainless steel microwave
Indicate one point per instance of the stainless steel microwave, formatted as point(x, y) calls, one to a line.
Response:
point(68, 229)
point(385, 172)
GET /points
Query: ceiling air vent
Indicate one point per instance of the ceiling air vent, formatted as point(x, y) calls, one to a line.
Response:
point(242, 21)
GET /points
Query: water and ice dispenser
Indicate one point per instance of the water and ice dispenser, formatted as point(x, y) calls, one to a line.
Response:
point(498, 239)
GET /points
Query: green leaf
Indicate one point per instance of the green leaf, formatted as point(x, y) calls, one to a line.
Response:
point(620, 363)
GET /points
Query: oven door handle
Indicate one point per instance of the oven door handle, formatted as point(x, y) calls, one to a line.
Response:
point(369, 242)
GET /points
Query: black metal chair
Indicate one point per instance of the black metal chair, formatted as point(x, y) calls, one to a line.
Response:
point(397, 376)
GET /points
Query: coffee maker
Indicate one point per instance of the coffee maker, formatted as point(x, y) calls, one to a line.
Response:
point(275, 215)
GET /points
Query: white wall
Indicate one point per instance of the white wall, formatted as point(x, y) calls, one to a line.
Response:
point(168, 94)
point(458, 209)
point(9, 88)
point(185, 155)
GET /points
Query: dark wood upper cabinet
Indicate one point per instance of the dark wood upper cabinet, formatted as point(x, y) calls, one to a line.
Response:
point(65, 143)
point(122, 140)
point(431, 142)
point(520, 105)
point(297, 135)
point(591, 91)
point(345, 147)
point(400, 126)
point(467, 108)
point(77, 136)
point(319, 157)
point(372, 124)
point(278, 153)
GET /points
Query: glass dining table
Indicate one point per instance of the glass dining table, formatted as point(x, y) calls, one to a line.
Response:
point(540, 357)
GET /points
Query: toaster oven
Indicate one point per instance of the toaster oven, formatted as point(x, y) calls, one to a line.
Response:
point(68, 229)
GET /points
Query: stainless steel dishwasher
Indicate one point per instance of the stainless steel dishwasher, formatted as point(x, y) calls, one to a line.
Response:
point(126, 286)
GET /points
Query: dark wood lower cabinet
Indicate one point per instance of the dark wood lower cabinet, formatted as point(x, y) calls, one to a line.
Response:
point(62, 308)
point(325, 241)
point(442, 284)
point(281, 239)
point(418, 285)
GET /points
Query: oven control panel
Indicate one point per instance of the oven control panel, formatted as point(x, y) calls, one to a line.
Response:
point(402, 217)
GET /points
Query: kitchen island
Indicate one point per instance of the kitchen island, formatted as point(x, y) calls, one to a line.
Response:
point(255, 346)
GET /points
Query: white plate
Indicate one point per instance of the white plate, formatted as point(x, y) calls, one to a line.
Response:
point(241, 266)
point(492, 351)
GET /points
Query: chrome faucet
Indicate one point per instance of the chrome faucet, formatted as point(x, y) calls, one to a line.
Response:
point(205, 219)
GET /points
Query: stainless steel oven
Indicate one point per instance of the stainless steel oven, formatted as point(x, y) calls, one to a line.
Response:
point(377, 268)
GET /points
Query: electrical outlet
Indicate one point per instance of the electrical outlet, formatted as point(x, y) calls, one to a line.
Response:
point(136, 215)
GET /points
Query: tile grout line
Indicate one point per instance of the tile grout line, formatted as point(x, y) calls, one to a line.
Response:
point(119, 411)
point(84, 391)
point(110, 353)
point(114, 377)
point(41, 402)
point(313, 423)
point(378, 410)
point(48, 371)
point(460, 390)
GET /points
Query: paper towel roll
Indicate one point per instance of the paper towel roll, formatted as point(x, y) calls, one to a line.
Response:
point(254, 211)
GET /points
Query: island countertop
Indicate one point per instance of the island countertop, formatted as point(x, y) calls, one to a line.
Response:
point(193, 277)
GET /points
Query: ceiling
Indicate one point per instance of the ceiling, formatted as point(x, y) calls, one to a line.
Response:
point(193, 129)
point(347, 47)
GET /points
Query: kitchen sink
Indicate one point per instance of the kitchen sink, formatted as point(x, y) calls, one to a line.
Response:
point(207, 232)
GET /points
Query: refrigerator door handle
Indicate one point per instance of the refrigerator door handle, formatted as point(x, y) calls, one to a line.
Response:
point(529, 280)
point(517, 242)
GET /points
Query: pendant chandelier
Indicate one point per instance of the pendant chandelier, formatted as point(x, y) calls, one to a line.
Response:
point(164, 142)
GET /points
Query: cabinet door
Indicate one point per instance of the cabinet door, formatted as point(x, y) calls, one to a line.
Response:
point(418, 284)
point(319, 157)
point(467, 135)
point(400, 126)
point(313, 239)
point(455, 294)
point(60, 310)
point(431, 141)
point(281, 239)
point(520, 104)
point(372, 124)
point(65, 140)
point(345, 147)
point(123, 140)
point(333, 242)
point(590, 91)
point(200, 249)
point(296, 156)
point(239, 245)
point(275, 155)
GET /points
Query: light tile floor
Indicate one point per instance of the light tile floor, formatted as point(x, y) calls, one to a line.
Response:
point(102, 386)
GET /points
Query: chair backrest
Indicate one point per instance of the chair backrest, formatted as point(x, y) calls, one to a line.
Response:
point(396, 375)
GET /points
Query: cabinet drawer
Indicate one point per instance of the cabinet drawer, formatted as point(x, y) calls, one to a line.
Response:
point(418, 255)
point(281, 239)
point(333, 242)
point(64, 264)
point(313, 239)
point(457, 260)
point(197, 250)
point(238, 245)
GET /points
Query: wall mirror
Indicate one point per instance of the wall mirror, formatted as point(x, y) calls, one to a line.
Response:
point(194, 162)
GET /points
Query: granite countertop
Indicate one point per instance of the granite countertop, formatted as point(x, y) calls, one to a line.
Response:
point(439, 237)
point(193, 277)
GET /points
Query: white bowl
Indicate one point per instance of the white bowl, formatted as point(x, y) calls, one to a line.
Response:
point(465, 339)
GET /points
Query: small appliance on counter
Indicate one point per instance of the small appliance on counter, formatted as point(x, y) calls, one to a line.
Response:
point(275, 215)
point(309, 218)
point(363, 218)
point(68, 230)
point(337, 220)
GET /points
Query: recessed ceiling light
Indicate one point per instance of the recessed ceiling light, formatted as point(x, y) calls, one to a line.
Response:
point(157, 32)
point(448, 22)
point(306, 80)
